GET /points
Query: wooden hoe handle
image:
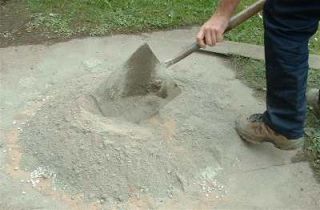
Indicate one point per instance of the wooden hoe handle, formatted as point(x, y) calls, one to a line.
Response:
point(233, 23)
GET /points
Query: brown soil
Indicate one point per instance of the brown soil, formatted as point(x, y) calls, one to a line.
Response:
point(16, 27)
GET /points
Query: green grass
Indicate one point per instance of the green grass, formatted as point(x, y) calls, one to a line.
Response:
point(99, 17)
point(253, 73)
point(103, 17)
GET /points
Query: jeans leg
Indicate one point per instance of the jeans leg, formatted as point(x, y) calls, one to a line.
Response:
point(288, 27)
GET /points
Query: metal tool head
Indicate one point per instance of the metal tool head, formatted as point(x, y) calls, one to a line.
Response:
point(141, 69)
point(136, 90)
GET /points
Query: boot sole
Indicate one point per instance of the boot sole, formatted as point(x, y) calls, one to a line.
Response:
point(295, 144)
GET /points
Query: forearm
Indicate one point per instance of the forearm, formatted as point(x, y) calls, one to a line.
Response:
point(226, 8)
point(212, 31)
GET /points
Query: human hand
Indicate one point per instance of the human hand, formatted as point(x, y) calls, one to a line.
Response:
point(212, 31)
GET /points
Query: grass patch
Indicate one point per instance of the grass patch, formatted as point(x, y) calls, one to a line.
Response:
point(252, 72)
point(313, 142)
point(102, 17)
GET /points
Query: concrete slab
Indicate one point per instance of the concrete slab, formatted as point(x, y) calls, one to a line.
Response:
point(197, 126)
point(271, 190)
point(252, 51)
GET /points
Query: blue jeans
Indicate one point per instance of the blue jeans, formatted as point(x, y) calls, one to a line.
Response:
point(288, 25)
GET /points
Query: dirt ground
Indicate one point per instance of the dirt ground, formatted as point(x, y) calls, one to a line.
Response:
point(58, 152)
point(17, 27)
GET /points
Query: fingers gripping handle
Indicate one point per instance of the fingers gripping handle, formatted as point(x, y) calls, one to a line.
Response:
point(234, 22)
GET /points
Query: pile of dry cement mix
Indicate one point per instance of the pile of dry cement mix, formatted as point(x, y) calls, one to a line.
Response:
point(98, 139)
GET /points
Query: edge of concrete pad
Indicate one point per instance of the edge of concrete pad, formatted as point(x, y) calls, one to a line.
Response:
point(298, 175)
point(252, 51)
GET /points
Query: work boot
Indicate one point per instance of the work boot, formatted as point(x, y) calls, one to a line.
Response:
point(255, 131)
point(313, 98)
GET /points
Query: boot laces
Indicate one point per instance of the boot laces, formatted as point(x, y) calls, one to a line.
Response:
point(256, 118)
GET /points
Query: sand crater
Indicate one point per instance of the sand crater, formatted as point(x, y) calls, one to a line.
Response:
point(137, 91)
point(99, 143)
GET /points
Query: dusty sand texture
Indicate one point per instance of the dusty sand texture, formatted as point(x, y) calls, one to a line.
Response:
point(91, 138)
point(137, 90)
point(183, 154)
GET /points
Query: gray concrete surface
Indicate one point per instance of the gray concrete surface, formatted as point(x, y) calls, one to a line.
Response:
point(221, 171)
point(252, 51)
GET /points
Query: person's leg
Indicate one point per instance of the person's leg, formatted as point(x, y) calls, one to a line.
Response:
point(289, 24)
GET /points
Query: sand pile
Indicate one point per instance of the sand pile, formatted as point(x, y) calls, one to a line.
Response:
point(97, 138)
point(138, 90)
